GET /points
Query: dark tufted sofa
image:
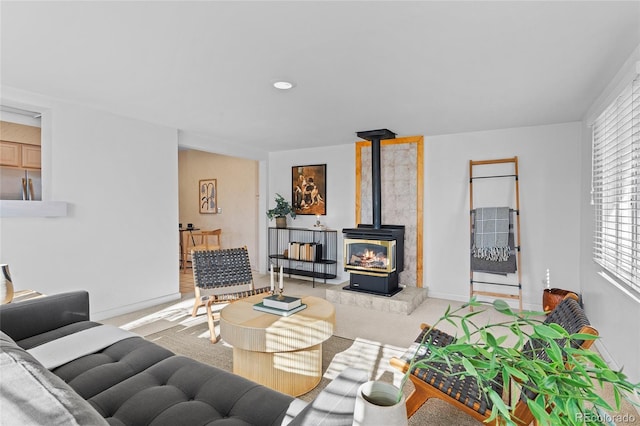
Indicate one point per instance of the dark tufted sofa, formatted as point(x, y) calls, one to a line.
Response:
point(136, 382)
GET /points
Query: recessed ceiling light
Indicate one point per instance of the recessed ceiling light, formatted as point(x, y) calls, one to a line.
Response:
point(283, 85)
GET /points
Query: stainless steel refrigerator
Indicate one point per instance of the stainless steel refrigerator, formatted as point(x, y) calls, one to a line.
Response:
point(20, 184)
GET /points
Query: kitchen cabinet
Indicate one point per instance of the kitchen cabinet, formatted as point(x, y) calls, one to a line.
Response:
point(10, 154)
point(20, 145)
point(21, 133)
point(31, 156)
point(20, 155)
point(305, 252)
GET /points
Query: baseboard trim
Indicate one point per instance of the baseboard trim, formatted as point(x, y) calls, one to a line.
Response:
point(121, 310)
point(459, 298)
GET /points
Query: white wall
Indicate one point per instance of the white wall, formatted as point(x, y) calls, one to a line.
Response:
point(340, 197)
point(119, 240)
point(615, 313)
point(549, 169)
point(549, 197)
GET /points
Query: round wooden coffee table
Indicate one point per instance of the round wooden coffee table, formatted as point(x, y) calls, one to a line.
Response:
point(283, 353)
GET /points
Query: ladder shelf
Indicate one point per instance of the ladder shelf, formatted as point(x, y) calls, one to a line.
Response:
point(513, 211)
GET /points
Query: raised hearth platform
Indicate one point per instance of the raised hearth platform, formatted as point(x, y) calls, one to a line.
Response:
point(403, 302)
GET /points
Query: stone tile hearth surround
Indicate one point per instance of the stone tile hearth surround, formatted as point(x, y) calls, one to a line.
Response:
point(403, 302)
point(399, 194)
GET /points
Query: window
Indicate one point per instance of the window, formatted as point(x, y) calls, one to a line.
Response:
point(616, 187)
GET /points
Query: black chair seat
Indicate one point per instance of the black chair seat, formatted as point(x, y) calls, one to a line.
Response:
point(449, 379)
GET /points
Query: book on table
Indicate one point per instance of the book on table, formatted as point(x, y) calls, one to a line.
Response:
point(282, 312)
point(286, 303)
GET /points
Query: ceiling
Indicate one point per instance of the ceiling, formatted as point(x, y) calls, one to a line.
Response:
point(417, 67)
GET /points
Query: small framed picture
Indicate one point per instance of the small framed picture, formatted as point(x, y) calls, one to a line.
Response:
point(208, 196)
point(309, 189)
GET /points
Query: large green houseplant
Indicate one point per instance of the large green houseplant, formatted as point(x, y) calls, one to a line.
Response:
point(568, 387)
point(280, 211)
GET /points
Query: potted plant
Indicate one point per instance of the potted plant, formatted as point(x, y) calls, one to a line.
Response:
point(280, 212)
point(566, 386)
point(377, 404)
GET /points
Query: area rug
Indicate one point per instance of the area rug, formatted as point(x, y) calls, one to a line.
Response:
point(159, 318)
point(171, 325)
point(368, 355)
point(191, 339)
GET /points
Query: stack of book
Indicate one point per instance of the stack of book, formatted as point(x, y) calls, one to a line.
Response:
point(284, 307)
point(311, 252)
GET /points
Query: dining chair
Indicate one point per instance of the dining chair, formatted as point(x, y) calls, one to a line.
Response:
point(200, 240)
point(208, 240)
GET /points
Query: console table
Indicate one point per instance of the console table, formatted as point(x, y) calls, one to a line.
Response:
point(309, 252)
point(283, 353)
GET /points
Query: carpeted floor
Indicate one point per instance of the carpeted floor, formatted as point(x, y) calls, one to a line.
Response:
point(337, 353)
point(355, 343)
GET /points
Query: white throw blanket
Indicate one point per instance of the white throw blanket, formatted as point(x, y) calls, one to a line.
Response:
point(73, 346)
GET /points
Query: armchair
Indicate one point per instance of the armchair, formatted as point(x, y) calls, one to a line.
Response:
point(448, 382)
point(222, 276)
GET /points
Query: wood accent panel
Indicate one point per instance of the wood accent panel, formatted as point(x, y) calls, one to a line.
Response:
point(14, 132)
point(10, 154)
point(419, 201)
point(31, 156)
point(420, 212)
point(359, 146)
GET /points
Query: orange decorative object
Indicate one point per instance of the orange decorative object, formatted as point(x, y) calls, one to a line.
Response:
point(551, 297)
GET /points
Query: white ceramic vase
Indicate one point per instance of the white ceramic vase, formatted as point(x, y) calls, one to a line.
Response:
point(6, 285)
point(377, 404)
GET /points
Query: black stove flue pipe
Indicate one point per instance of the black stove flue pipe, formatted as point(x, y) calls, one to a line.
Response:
point(375, 136)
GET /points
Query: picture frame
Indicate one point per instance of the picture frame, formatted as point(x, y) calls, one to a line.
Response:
point(208, 196)
point(309, 189)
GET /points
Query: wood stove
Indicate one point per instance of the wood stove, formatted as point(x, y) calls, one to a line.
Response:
point(374, 254)
point(372, 257)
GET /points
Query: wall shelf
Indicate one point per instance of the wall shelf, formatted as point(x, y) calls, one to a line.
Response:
point(18, 208)
point(315, 254)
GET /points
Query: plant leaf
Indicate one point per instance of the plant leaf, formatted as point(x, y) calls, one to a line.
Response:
point(583, 336)
point(554, 352)
point(537, 409)
point(498, 403)
point(544, 331)
point(469, 367)
point(514, 373)
point(465, 328)
point(502, 307)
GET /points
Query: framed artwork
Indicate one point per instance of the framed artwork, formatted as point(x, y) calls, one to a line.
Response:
point(208, 196)
point(309, 189)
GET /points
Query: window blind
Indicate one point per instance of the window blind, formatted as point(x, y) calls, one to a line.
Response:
point(616, 183)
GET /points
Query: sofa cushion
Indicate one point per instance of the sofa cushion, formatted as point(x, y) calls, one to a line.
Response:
point(68, 348)
point(91, 374)
point(32, 395)
point(48, 336)
point(179, 390)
